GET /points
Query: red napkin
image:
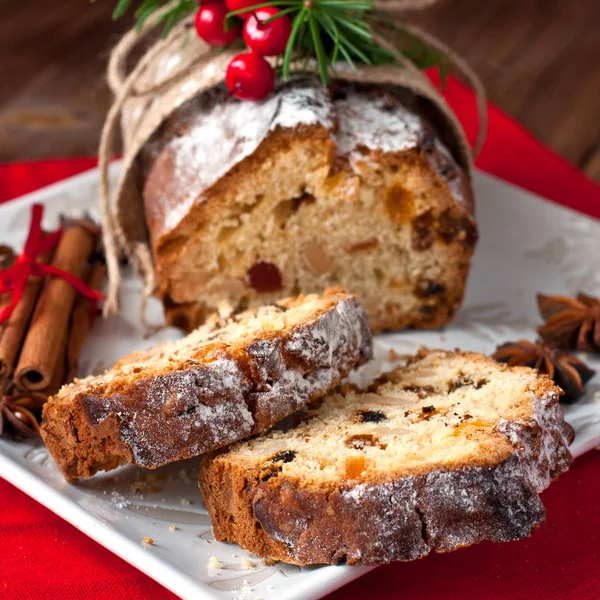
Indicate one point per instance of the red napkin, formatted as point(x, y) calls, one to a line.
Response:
point(42, 556)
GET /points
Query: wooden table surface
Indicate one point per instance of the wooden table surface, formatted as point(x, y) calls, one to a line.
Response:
point(539, 59)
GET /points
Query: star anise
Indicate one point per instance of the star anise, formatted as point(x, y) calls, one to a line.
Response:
point(19, 414)
point(567, 371)
point(571, 323)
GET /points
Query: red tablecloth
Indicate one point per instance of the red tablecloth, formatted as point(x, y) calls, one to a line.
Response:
point(42, 556)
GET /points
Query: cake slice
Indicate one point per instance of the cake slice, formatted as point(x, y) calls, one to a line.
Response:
point(445, 452)
point(233, 377)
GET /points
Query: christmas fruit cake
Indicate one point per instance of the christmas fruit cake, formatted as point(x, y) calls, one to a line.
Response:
point(445, 452)
point(233, 377)
point(355, 185)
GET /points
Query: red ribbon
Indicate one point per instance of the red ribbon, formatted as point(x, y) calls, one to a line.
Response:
point(14, 279)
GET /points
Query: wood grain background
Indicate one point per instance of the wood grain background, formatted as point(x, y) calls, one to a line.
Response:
point(539, 59)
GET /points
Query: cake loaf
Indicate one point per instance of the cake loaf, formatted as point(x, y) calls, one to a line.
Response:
point(355, 185)
point(445, 452)
point(233, 377)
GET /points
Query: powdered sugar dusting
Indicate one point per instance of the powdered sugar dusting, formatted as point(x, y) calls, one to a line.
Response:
point(335, 341)
point(225, 132)
point(368, 121)
point(221, 132)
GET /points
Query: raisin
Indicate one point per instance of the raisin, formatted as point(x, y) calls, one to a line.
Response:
point(370, 416)
point(428, 409)
point(423, 232)
point(359, 441)
point(285, 456)
point(464, 381)
point(457, 229)
point(422, 391)
point(426, 288)
point(264, 277)
point(461, 382)
point(278, 306)
point(428, 309)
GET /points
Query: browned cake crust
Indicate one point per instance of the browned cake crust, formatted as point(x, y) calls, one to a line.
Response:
point(234, 377)
point(405, 508)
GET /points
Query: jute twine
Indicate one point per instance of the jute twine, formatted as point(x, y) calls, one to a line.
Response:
point(180, 67)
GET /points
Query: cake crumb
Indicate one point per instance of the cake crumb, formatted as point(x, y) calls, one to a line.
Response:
point(247, 564)
point(269, 562)
point(147, 542)
point(393, 355)
point(215, 563)
point(185, 502)
point(183, 476)
point(246, 585)
point(172, 528)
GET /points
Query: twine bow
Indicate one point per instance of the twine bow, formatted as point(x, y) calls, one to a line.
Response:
point(14, 279)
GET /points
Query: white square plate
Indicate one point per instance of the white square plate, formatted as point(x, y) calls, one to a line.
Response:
point(527, 245)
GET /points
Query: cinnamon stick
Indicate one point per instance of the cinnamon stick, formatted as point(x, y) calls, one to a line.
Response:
point(40, 353)
point(58, 377)
point(82, 320)
point(15, 328)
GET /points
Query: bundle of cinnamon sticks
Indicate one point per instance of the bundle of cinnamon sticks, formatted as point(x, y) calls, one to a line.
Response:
point(41, 341)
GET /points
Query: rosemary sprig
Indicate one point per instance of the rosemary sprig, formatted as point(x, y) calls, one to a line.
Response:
point(326, 31)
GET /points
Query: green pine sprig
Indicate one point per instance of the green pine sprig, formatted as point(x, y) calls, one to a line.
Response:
point(326, 31)
point(147, 8)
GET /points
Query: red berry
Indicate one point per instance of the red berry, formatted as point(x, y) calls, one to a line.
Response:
point(210, 25)
point(267, 39)
point(239, 4)
point(249, 76)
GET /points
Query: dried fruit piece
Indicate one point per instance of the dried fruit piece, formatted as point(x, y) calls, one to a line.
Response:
point(422, 391)
point(264, 277)
point(423, 232)
point(316, 259)
point(354, 466)
point(455, 228)
point(400, 204)
point(360, 440)
point(285, 456)
point(426, 288)
point(369, 416)
point(363, 246)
